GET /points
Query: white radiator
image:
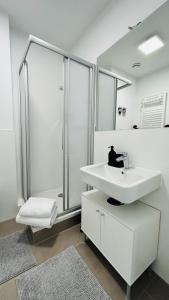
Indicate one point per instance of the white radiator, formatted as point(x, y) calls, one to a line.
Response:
point(153, 110)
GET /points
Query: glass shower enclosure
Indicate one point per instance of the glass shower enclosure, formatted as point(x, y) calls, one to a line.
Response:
point(57, 123)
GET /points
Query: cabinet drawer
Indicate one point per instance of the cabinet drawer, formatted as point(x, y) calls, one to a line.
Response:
point(117, 244)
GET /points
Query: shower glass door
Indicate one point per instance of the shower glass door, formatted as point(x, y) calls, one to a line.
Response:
point(46, 101)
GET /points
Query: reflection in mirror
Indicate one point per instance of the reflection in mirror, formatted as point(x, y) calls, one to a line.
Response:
point(105, 109)
point(141, 58)
point(109, 89)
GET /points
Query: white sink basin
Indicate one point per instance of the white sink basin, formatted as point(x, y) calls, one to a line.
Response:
point(126, 188)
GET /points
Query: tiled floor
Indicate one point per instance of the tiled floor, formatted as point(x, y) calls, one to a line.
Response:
point(148, 287)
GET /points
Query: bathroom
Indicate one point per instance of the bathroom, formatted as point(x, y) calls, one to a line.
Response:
point(74, 81)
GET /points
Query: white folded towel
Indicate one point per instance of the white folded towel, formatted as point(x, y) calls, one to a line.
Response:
point(38, 222)
point(36, 207)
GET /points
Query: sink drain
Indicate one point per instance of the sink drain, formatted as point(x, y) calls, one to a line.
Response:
point(114, 202)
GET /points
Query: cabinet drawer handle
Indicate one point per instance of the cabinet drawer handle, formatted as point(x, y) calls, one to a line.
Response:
point(102, 215)
point(97, 210)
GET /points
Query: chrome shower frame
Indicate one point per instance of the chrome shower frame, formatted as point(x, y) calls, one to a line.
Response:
point(90, 153)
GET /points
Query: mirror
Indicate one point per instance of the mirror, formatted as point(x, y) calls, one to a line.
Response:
point(133, 78)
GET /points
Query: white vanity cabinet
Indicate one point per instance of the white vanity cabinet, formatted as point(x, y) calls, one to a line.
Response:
point(126, 235)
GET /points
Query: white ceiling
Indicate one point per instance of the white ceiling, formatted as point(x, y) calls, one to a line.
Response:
point(61, 22)
point(124, 53)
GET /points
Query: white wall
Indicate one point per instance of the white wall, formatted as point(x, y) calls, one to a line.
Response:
point(112, 25)
point(6, 118)
point(8, 194)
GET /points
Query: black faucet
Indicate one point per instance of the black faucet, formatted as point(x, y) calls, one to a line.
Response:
point(112, 159)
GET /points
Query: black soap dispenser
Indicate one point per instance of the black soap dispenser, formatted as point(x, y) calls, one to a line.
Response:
point(112, 156)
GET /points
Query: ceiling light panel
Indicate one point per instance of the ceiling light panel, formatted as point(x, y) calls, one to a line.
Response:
point(151, 45)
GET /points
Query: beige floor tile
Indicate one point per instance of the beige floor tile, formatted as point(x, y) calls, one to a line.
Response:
point(9, 227)
point(53, 246)
point(8, 290)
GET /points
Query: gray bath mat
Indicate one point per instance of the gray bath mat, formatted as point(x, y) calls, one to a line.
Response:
point(15, 255)
point(63, 277)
